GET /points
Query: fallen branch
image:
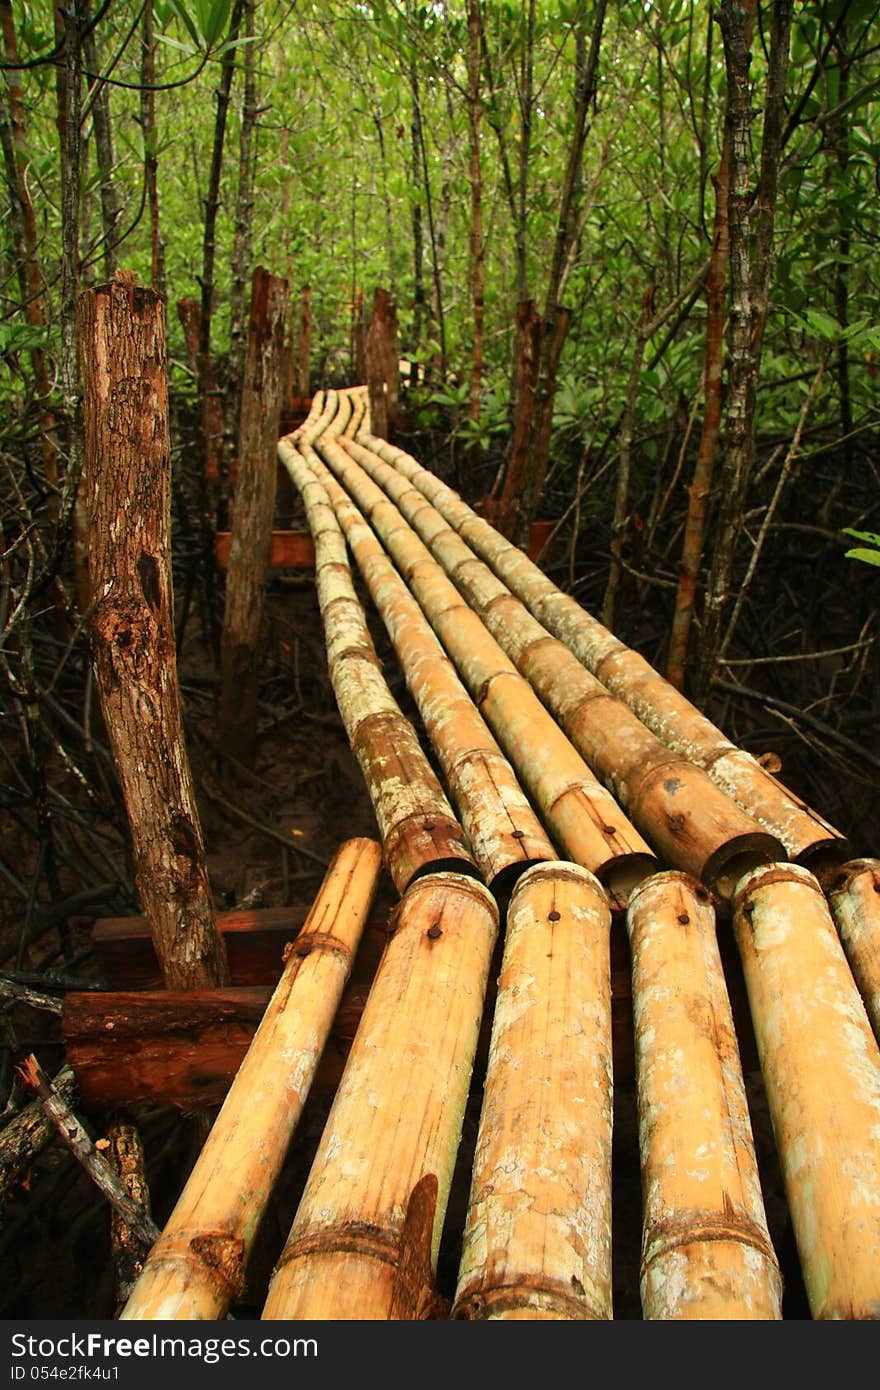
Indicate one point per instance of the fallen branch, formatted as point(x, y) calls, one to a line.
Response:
point(28, 1133)
point(75, 1136)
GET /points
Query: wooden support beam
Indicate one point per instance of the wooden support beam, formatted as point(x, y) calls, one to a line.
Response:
point(287, 550)
point(255, 941)
point(178, 1047)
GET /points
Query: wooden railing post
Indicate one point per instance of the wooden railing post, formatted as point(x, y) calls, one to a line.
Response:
point(127, 487)
point(253, 511)
point(383, 364)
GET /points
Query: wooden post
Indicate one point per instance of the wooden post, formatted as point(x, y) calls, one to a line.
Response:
point(383, 364)
point(304, 375)
point(252, 514)
point(127, 487)
point(359, 337)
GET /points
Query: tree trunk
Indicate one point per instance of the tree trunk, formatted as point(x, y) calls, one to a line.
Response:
point(30, 273)
point(501, 508)
point(127, 492)
point(214, 445)
point(555, 318)
point(100, 107)
point(713, 399)
point(383, 364)
point(304, 344)
point(750, 273)
point(244, 217)
point(252, 515)
point(477, 247)
point(149, 137)
point(418, 240)
point(68, 30)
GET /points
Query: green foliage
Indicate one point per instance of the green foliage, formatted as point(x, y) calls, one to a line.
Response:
point(870, 554)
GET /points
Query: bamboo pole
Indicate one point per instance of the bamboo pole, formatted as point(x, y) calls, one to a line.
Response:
point(537, 1237)
point(806, 835)
point(418, 827)
point(583, 817)
point(686, 818)
point(365, 1238)
point(500, 825)
point(854, 895)
point(821, 1067)
point(706, 1250)
point(197, 1266)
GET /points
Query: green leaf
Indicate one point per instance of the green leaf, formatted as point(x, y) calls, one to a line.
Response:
point(868, 536)
point(870, 557)
point(822, 324)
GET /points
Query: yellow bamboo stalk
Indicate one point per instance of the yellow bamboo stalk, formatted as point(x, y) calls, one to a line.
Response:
point(197, 1266)
point(821, 1068)
point(582, 815)
point(418, 827)
point(806, 835)
point(501, 827)
point(689, 821)
point(365, 1238)
point(854, 895)
point(706, 1249)
point(537, 1238)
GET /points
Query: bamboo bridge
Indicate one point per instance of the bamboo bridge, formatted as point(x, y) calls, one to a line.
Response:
point(573, 797)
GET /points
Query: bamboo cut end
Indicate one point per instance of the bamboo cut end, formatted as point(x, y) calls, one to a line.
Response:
point(724, 869)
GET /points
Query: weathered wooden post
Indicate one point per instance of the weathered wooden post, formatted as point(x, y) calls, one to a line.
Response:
point(303, 368)
point(127, 487)
point(383, 364)
point(253, 511)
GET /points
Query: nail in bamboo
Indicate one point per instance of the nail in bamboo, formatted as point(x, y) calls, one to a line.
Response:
point(706, 1249)
point(537, 1239)
point(821, 1067)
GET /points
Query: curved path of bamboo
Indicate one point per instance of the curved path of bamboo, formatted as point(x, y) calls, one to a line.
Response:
point(573, 787)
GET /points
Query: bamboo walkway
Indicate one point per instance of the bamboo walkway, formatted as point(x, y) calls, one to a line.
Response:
point(570, 788)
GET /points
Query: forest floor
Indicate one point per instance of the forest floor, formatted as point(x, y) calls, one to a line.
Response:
point(268, 844)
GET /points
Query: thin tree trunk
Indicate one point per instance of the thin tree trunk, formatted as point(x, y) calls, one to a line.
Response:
point(621, 499)
point(127, 490)
point(214, 447)
point(383, 358)
point(750, 274)
point(841, 137)
point(477, 247)
point(244, 215)
point(418, 238)
point(149, 137)
point(252, 515)
point(68, 29)
point(555, 318)
point(30, 273)
point(100, 106)
point(304, 344)
point(713, 399)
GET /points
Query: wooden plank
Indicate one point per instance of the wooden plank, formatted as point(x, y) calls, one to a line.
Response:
point(287, 549)
point(178, 1048)
point(255, 940)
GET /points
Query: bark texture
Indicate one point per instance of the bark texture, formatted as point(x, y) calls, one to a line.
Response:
point(126, 484)
point(253, 514)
